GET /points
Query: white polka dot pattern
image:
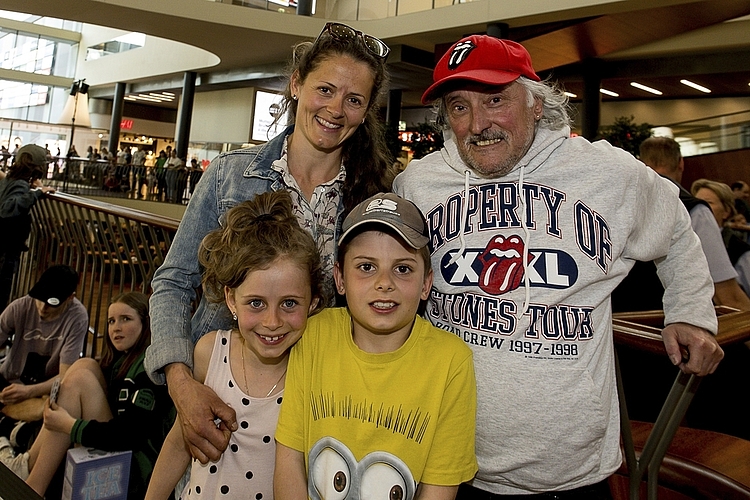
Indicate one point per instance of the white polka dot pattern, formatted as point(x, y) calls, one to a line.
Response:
point(245, 470)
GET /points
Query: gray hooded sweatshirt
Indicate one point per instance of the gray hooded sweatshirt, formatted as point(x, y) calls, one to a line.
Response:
point(533, 302)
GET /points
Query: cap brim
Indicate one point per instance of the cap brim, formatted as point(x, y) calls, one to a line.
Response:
point(487, 77)
point(412, 238)
point(50, 301)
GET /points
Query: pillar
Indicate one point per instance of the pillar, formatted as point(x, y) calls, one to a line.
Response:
point(114, 125)
point(591, 100)
point(498, 30)
point(185, 115)
point(304, 7)
point(393, 113)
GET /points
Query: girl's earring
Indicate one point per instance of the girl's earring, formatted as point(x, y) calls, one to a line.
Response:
point(294, 97)
point(234, 316)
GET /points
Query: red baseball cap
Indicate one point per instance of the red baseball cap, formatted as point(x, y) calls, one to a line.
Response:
point(483, 59)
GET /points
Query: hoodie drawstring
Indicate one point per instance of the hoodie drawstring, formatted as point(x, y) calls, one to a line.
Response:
point(527, 237)
point(526, 233)
point(464, 214)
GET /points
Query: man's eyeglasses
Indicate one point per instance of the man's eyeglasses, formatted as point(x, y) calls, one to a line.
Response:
point(346, 33)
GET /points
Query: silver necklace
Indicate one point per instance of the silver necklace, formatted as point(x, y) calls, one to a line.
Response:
point(244, 373)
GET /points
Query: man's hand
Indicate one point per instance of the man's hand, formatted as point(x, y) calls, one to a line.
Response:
point(198, 407)
point(15, 393)
point(703, 352)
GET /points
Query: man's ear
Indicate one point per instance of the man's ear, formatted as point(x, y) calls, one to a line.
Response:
point(538, 106)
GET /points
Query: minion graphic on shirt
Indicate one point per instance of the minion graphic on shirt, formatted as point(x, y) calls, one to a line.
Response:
point(336, 475)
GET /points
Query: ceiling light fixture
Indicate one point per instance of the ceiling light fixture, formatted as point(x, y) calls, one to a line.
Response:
point(148, 98)
point(695, 86)
point(645, 88)
point(609, 93)
point(570, 94)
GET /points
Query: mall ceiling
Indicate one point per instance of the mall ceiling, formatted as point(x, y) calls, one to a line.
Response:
point(654, 42)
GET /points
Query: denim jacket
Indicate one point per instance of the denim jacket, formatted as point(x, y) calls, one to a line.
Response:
point(231, 178)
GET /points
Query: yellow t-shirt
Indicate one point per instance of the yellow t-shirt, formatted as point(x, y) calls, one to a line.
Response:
point(379, 421)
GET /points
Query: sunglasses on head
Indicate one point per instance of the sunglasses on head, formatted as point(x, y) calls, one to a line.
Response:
point(345, 33)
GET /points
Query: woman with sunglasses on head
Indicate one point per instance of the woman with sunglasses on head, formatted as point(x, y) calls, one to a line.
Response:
point(331, 157)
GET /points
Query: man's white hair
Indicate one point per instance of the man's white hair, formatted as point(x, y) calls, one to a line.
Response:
point(556, 110)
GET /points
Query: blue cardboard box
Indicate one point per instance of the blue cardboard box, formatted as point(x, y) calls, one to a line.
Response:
point(92, 474)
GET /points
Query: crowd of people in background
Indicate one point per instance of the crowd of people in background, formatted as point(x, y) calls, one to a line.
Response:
point(132, 171)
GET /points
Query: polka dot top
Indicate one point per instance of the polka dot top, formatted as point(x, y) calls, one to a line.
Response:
point(245, 470)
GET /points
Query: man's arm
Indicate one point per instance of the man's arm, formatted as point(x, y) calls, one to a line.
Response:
point(663, 225)
point(684, 272)
point(289, 477)
point(15, 393)
point(688, 309)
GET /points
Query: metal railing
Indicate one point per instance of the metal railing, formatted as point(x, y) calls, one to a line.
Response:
point(114, 249)
point(109, 179)
point(712, 134)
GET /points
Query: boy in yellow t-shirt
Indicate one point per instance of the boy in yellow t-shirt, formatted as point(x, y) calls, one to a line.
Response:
point(378, 403)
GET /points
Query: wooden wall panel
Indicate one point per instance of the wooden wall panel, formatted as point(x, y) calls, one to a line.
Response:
point(727, 167)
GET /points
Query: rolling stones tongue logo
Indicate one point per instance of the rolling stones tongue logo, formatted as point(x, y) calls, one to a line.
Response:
point(502, 265)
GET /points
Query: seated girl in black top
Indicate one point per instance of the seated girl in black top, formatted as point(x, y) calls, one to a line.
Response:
point(112, 405)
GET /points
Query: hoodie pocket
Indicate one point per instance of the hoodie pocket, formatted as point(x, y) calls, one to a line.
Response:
point(545, 430)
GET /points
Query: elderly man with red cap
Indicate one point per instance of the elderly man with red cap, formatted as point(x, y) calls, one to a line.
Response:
point(530, 231)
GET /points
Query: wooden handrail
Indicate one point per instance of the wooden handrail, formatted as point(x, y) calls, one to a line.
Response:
point(117, 210)
point(642, 330)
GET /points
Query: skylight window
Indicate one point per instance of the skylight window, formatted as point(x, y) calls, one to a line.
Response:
point(120, 44)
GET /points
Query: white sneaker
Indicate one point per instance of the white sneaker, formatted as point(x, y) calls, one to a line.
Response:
point(18, 464)
point(6, 449)
point(14, 433)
